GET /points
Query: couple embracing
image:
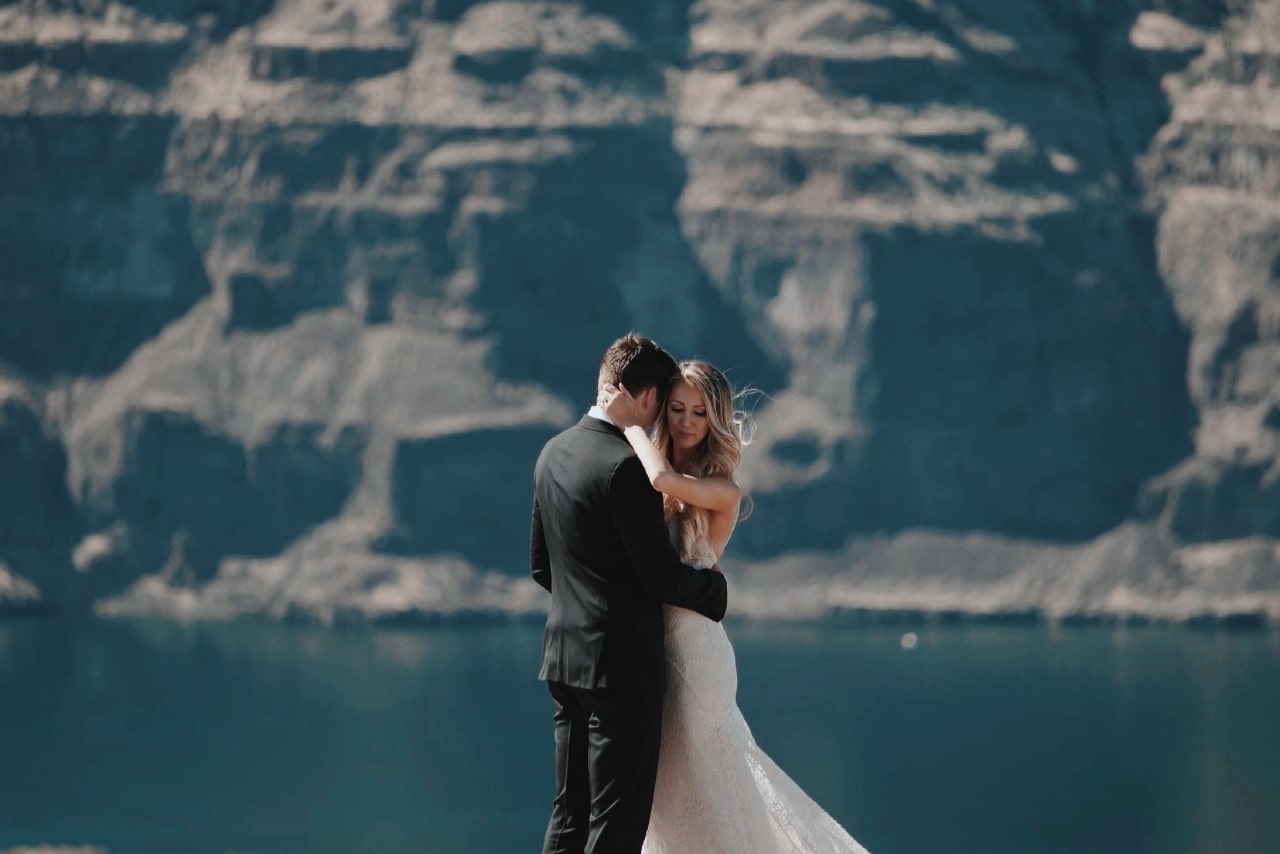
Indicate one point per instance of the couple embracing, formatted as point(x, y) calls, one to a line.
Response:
point(652, 753)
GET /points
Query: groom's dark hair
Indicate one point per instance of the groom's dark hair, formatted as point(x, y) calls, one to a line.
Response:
point(637, 363)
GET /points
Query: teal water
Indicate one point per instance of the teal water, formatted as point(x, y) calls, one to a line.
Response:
point(152, 737)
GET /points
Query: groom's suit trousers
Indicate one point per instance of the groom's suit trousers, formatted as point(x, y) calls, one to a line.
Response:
point(606, 763)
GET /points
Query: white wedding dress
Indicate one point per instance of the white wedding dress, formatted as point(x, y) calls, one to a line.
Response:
point(717, 791)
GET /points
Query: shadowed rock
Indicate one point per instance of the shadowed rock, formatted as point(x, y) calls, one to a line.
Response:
point(39, 521)
point(222, 15)
point(35, 508)
point(1018, 397)
point(190, 496)
point(144, 65)
point(81, 286)
point(337, 63)
point(469, 493)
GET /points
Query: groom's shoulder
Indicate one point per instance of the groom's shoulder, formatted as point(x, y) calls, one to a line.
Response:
point(592, 430)
point(577, 432)
point(589, 437)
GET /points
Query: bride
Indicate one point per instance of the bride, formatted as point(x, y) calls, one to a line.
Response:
point(717, 791)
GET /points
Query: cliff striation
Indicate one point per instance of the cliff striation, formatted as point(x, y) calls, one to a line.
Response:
point(292, 292)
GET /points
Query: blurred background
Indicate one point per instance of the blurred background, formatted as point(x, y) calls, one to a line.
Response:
point(293, 291)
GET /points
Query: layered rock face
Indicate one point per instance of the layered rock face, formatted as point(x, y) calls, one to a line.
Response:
point(930, 214)
point(292, 292)
point(1215, 170)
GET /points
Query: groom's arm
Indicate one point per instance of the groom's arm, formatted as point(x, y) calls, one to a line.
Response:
point(636, 509)
point(539, 560)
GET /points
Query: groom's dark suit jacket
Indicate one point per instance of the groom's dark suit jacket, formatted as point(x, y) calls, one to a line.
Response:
point(600, 545)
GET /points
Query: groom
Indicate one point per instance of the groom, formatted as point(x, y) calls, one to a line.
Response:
point(600, 546)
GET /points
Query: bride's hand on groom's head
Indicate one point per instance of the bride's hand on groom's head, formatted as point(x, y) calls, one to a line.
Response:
point(619, 405)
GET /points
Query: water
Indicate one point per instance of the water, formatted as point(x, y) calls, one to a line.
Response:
point(152, 737)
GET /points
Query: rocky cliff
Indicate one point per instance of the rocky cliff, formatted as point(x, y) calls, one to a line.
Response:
point(291, 293)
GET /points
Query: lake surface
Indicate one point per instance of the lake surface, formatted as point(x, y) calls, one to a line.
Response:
point(154, 737)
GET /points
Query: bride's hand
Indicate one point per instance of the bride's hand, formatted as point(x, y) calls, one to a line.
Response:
point(619, 405)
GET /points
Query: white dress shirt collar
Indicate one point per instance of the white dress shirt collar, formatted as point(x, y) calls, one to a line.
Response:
point(597, 412)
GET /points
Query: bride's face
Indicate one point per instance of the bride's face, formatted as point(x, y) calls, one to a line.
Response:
point(686, 416)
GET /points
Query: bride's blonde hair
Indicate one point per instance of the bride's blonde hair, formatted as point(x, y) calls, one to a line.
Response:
point(717, 455)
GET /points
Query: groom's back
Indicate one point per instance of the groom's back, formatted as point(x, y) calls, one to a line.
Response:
point(603, 630)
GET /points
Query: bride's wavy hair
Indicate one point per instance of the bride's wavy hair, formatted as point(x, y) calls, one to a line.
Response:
point(717, 455)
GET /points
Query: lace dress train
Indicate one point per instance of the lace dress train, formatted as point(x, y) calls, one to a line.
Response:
point(717, 791)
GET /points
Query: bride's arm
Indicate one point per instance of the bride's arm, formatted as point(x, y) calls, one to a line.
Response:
point(717, 494)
